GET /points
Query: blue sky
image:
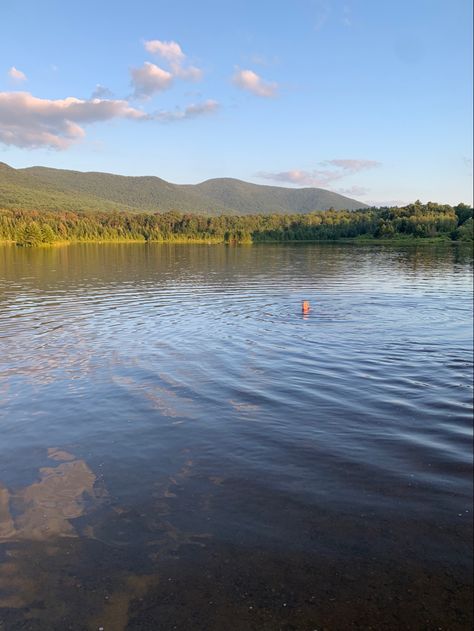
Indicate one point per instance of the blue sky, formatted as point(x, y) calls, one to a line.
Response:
point(366, 97)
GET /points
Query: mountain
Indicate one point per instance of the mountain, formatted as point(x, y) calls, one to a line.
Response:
point(42, 188)
point(247, 198)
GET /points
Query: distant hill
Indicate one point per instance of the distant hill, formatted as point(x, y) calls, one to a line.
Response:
point(42, 188)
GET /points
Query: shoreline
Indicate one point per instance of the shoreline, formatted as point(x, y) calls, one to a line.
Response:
point(348, 241)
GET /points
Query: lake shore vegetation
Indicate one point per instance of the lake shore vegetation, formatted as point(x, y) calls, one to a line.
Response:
point(417, 221)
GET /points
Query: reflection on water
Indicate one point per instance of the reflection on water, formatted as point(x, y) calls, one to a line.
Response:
point(181, 449)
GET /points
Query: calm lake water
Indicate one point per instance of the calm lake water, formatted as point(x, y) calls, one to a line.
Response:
point(181, 449)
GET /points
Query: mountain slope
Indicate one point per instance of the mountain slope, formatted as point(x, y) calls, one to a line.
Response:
point(145, 193)
point(257, 198)
point(22, 191)
point(43, 188)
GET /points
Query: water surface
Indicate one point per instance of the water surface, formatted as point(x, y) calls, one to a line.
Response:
point(181, 449)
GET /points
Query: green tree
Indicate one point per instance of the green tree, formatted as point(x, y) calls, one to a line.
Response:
point(30, 235)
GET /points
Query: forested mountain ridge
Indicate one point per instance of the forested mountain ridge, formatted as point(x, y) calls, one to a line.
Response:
point(42, 188)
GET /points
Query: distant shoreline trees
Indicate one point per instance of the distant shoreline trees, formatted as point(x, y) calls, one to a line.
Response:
point(417, 220)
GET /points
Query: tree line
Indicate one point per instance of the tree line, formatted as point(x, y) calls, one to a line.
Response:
point(32, 228)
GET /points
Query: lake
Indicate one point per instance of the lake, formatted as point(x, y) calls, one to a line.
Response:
point(181, 448)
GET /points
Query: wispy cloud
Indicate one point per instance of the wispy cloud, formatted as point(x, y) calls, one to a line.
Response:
point(258, 59)
point(16, 75)
point(295, 176)
point(321, 13)
point(149, 79)
point(101, 92)
point(30, 122)
point(352, 166)
point(334, 170)
point(252, 82)
point(346, 15)
point(188, 73)
point(191, 111)
point(174, 55)
point(357, 191)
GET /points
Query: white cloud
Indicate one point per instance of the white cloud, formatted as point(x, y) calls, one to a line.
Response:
point(252, 82)
point(173, 54)
point(192, 111)
point(171, 51)
point(16, 75)
point(337, 170)
point(150, 79)
point(30, 122)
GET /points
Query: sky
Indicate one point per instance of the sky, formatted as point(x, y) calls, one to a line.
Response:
point(368, 98)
